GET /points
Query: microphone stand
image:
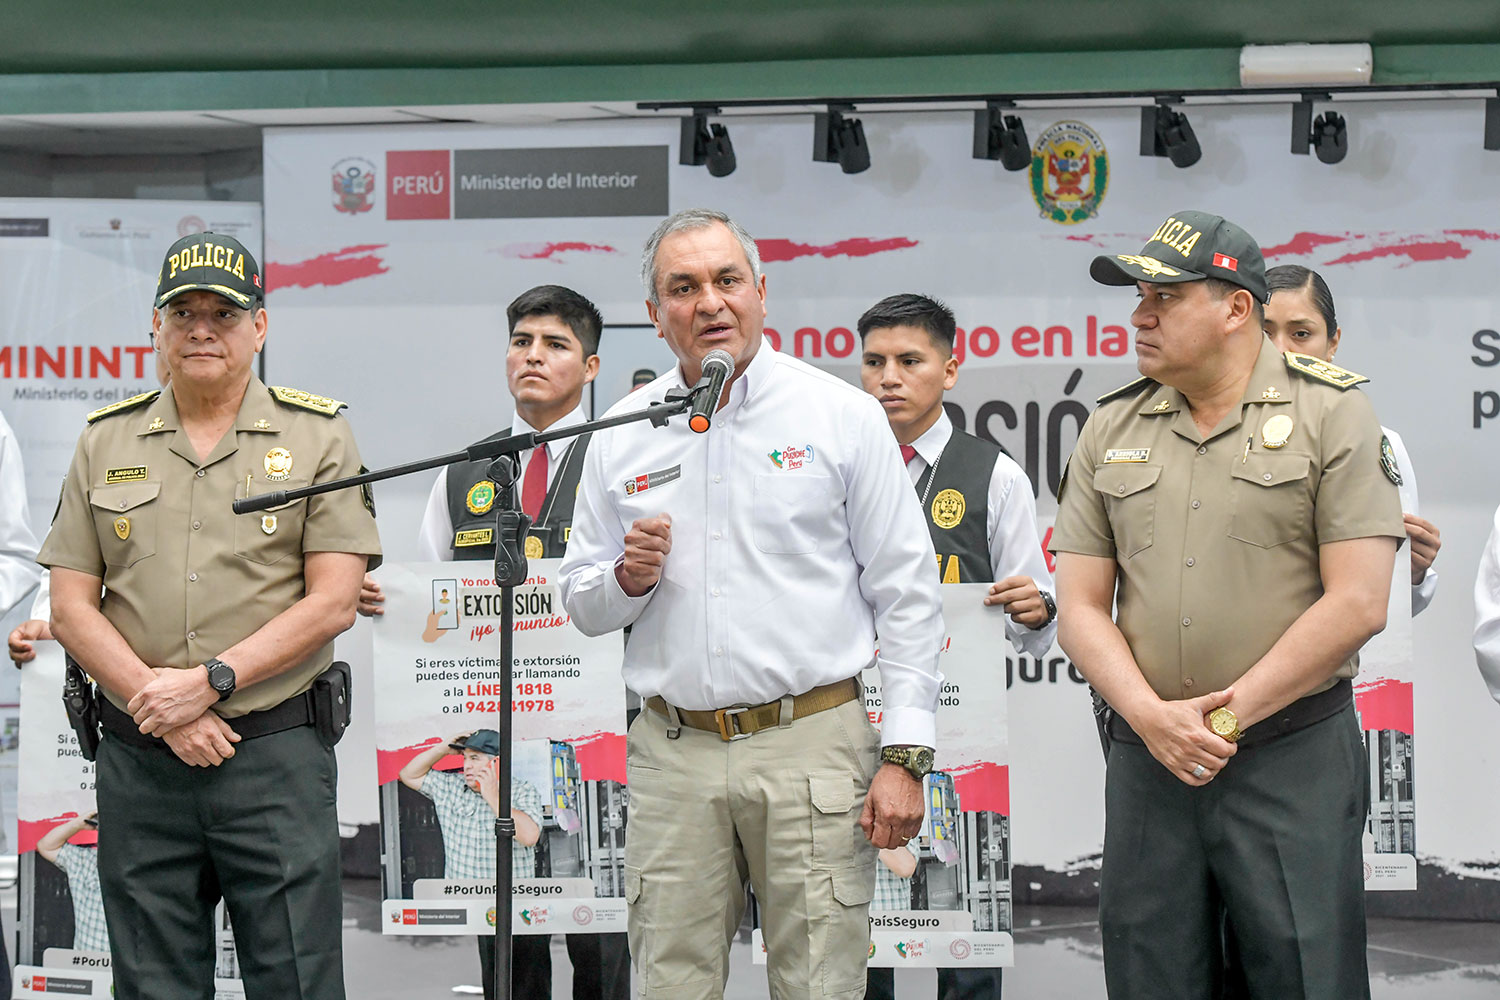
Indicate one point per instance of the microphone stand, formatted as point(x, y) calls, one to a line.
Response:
point(511, 527)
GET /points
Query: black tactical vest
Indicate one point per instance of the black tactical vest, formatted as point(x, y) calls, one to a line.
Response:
point(955, 493)
point(471, 507)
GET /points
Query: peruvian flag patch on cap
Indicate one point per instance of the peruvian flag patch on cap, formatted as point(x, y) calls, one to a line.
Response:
point(1227, 262)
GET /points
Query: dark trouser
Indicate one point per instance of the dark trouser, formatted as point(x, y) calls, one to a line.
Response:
point(953, 984)
point(261, 829)
point(530, 966)
point(601, 966)
point(1276, 836)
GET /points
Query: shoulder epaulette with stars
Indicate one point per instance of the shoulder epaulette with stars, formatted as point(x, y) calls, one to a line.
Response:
point(1126, 389)
point(1317, 368)
point(123, 405)
point(307, 400)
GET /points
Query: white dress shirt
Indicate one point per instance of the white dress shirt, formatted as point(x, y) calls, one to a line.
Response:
point(18, 546)
point(796, 538)
point(1009, 524)
point(1421, 593)
point(435, 536)
point(1487, 611)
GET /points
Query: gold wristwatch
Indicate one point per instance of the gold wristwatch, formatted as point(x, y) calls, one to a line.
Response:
point(1224, 724)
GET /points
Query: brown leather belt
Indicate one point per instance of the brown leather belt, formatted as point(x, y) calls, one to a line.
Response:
point(741, 721)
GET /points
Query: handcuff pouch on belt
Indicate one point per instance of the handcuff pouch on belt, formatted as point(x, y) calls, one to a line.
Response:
point(331, 703)
point(81, 703)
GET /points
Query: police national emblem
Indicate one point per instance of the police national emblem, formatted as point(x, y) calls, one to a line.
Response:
point(353, 185)
point(1069, 172)
point(481, 497)
point(1388, 463)
point(534, 548)
point(948, 509)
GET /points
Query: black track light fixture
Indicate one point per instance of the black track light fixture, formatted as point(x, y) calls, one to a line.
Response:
point(1492, 123)
point(1000, 136)
point(705, 144)
point(1327, 135)
point(840, 140)
point(1168, 133)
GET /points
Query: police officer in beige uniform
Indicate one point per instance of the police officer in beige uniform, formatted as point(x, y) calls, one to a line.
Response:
point(215, 774)
point(1234, 506)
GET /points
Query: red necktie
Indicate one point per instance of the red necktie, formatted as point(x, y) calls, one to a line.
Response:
point(534, 489)
point(908, 453)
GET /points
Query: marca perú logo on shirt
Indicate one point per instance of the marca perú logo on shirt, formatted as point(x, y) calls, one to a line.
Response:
point(642, 483)
point(792, 457)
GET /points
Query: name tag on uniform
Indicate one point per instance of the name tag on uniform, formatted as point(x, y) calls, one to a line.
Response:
point(478, 536)
point(132, 474)
point(1126, 455)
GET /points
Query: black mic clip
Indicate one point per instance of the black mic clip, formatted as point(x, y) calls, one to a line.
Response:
point(511, 529)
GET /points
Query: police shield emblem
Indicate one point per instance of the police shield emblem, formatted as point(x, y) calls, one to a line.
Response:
point(353, 185)
point(1069, 172)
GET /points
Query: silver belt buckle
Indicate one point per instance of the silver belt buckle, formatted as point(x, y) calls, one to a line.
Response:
point(728, 732)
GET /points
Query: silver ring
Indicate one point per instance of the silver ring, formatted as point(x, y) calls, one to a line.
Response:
point(1199, 770)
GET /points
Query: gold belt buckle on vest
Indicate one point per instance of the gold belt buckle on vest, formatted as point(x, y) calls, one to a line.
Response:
point(728, 732)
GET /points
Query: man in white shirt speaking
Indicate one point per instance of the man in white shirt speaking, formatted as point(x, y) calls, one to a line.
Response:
point(756, 562)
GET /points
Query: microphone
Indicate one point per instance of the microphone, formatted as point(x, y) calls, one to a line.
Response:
point(716, 368)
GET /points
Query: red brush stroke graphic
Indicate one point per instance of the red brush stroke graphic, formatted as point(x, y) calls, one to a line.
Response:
point(547, 251)
point(1384, 705)
point(1415, 252)
point(337, 267)
point(1477, 234)
point(772, 251)
point(983, 787)
point(1302, 244)
point(29, 831)
point(601, 757)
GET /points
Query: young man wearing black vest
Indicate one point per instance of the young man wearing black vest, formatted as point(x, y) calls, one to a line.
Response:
point(552, 356)
point(907, 364)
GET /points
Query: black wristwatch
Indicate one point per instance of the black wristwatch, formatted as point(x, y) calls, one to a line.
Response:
point(1051, 606)
point(220, 677)
point(917, 760)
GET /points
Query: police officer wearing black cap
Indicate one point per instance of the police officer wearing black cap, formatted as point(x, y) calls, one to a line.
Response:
point(1225, 537)
point(212, 646)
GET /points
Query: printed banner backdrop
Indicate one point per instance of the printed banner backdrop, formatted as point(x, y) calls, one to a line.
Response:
point(63, 942)
point(437, 672)
point(415, 289)
point(954, 909)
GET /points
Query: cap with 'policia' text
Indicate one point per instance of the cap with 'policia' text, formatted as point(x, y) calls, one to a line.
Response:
point(1190, 246)
point(211, 263)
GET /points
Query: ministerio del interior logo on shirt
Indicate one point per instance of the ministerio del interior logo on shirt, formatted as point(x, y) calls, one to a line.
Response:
point(650, 480)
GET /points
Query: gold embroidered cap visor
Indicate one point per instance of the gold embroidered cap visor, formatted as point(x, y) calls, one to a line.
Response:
point(1189, 246)
point(210, 262)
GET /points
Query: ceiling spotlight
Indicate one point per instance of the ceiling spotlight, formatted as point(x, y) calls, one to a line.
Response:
point(840, 140)
point(703, 143)
point(1165, 132)
point(1327, 135)
point(999, 136)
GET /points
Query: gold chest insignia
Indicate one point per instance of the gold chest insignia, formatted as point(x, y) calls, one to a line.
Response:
point(122, 528)
point(268, 523)
point(278, 465)
point(1163, 406)
point(156, 424)
point(1271, 392)
point(481, 497)
point(263, 424)
point(533, 547)
point(948, 509)
point(1276, 432)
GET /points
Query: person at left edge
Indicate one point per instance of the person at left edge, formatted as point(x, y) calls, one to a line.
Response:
point(211, 776)
point(552, 356)
point(907, 364)
point(756, 564)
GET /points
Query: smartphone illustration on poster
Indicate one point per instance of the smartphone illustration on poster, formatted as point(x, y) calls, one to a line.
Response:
point(445, 603)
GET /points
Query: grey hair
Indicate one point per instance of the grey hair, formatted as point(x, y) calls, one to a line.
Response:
point(693, 218)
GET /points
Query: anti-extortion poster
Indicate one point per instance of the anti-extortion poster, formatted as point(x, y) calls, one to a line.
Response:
point(438, 684)
point(1383, 700)
point(944, 900)
point(62, 937)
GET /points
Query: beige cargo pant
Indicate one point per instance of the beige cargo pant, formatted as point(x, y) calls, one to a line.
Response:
point(780, 809)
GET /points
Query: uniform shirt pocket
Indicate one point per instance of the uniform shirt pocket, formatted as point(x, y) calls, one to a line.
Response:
point(1130, 501)
point(272, 534)
point(790, 512)
point(1270, 500)
point(125, 516)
